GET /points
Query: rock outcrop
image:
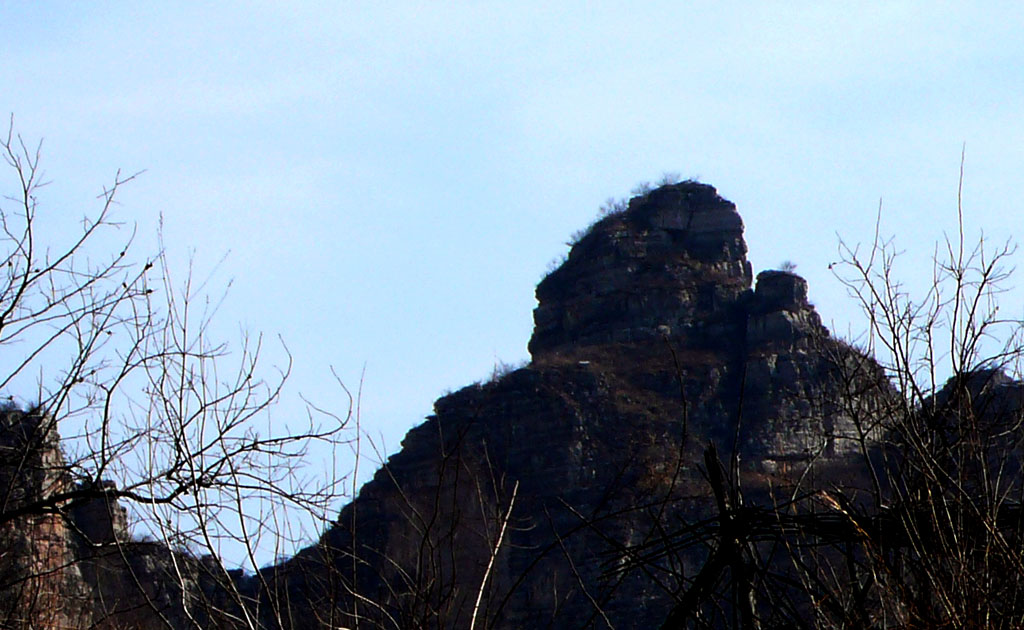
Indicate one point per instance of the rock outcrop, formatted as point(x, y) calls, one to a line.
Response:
point(671, 272)
point(675, 260)
point(70, 563)
point(650, 341)
point(41, 585)
point(530, 500)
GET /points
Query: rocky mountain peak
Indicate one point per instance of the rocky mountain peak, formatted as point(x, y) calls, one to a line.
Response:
point(651, 341)
point(674, 261)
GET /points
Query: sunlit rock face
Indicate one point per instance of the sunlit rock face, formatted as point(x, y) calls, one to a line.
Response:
point(40, 585)
point(72, 564)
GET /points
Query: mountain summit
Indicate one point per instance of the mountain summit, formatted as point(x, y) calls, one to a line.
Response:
point(675, 258)
point(519, 500)
point(531, 500)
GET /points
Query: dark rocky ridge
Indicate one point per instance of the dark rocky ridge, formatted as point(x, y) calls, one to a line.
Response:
point(649, 342)
point(676, 258)
point(671, 272)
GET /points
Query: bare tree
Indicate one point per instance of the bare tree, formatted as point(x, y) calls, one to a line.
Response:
point(156, 416)
point(942, 550)
point(921, 527)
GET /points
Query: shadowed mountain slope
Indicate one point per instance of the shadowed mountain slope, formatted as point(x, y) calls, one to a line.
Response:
point(650, 342)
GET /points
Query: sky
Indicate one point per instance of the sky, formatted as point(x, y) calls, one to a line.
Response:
point(382, 185)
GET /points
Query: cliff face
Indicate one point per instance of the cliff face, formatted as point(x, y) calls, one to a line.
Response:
point(526, 501)
point(650, 341)
point(669, 276)
point(71, 564)
point(40, 585)
point(676, 258)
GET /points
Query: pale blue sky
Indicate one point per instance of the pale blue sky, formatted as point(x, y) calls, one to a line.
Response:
point(391, 179)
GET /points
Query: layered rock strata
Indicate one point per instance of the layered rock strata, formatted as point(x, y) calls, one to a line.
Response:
point(529, 500)
point(675, 259)
point(650, 341)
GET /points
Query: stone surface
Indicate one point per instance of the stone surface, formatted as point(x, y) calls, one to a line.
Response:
point(649, 342)
point(527, 501)
point(71, 564)
point(675, 258)
point(40, 582)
